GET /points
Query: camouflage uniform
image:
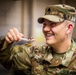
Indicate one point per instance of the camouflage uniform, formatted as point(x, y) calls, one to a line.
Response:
point(42, 60)
point(39, 60)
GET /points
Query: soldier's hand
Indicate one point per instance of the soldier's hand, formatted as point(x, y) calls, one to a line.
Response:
point(13, 35)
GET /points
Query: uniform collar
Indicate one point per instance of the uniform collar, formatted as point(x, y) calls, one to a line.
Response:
point(65, 61)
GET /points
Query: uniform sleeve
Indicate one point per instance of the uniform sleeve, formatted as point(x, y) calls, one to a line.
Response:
point(4, 53)
point(16, 57)
point(72, 65)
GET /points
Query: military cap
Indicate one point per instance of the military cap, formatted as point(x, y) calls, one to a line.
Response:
point(59, 13)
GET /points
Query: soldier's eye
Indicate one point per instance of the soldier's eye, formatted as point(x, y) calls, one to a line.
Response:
point(52, 24)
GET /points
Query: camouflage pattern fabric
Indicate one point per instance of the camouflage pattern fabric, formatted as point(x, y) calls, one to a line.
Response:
point(59, 13)
point(39, 60)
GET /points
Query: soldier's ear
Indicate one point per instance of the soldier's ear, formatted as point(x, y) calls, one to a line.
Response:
point(69, 28)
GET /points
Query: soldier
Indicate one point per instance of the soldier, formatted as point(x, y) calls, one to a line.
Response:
point(58, 57)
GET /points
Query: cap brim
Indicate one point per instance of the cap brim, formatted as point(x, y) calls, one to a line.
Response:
point(52, 18)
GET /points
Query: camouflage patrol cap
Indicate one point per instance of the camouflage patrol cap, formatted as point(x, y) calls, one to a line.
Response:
point(59, 13)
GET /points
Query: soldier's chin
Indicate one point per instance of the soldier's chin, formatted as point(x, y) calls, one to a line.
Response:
point(49, 43)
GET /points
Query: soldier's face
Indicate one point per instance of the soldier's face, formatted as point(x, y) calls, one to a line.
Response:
point(54, 33)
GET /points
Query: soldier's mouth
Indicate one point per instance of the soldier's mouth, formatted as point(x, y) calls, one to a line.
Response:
point(49, 35)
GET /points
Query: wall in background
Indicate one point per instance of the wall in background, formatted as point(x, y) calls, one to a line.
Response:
point(10, 16)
